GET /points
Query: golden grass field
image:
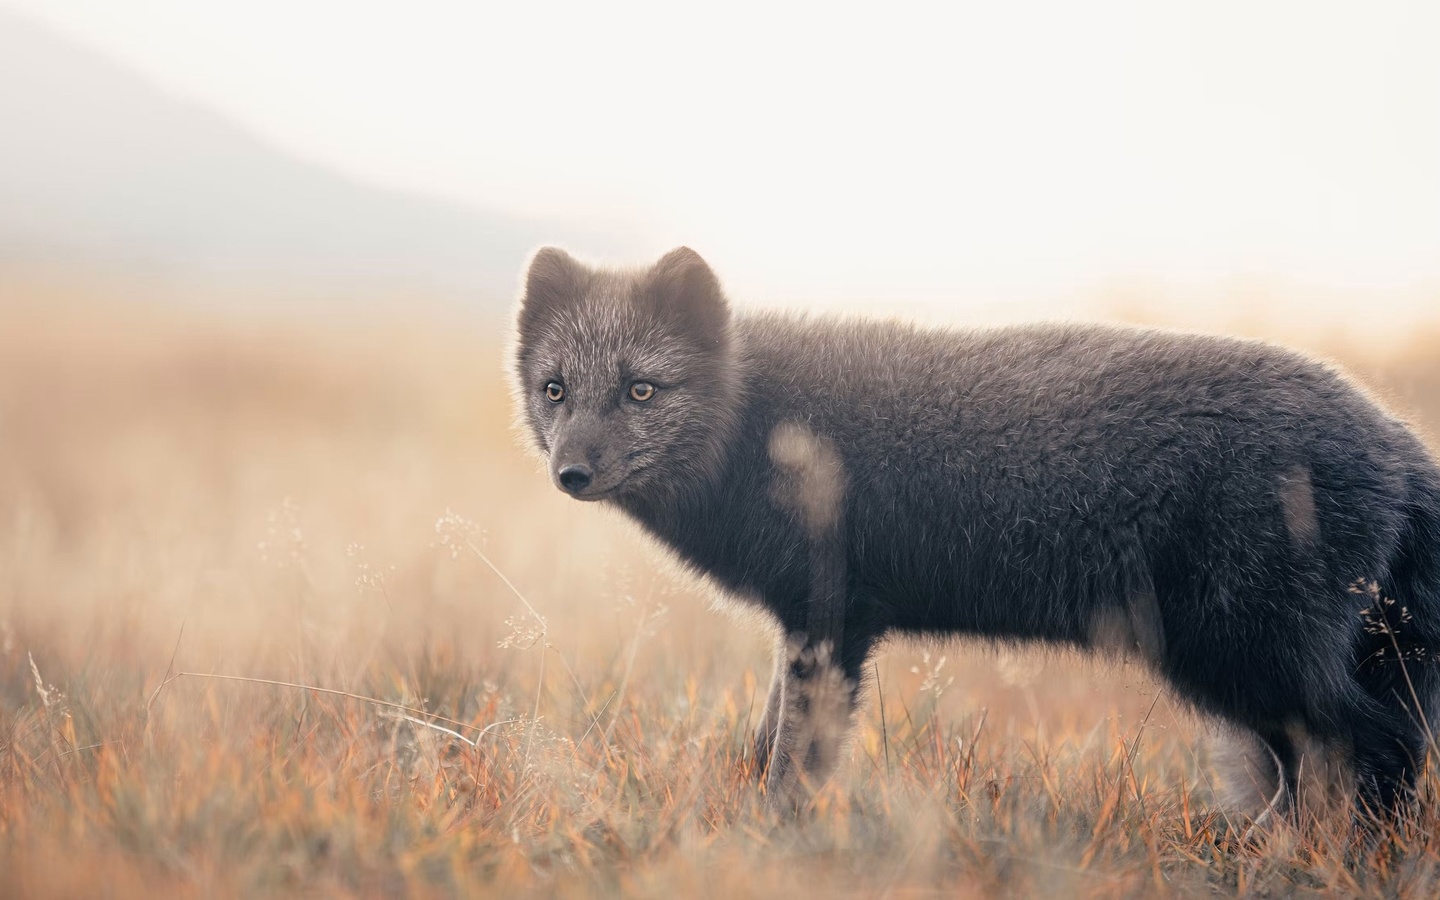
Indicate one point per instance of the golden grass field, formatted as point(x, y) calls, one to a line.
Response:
point(346, 507)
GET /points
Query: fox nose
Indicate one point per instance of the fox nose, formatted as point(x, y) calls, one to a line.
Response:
point(575, 478)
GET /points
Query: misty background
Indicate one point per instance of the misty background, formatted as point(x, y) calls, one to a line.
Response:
point(1195, 163)
point(256, 267)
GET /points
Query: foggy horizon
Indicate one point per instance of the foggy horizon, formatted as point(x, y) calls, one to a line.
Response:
point(1042, 193)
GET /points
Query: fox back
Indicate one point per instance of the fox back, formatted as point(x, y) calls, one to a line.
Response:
point(1231, 512)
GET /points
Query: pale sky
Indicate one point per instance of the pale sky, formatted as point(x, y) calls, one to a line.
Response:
point(938, 153)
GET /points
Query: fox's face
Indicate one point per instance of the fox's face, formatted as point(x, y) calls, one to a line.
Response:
point(625, 379)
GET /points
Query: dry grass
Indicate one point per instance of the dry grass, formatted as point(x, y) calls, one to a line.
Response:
point(337, 508)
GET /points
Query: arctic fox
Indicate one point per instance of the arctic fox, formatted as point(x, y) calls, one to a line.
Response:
point(1240, 516)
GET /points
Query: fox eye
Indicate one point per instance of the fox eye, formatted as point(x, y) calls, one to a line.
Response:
point(642, 391)
point(554, 392)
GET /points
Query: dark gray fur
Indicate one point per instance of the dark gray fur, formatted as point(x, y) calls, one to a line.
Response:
point(1205, 502)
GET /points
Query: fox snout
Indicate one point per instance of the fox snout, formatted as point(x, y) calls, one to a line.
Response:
point(575, 477)
point(582, 462)
point(583, 480)
point(582, 470)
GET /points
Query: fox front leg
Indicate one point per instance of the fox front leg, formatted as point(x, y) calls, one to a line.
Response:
point(814, 694)
point(816, 700)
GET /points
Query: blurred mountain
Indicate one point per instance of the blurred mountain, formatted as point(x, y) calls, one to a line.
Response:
point(97, 166)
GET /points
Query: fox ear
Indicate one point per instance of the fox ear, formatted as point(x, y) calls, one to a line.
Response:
point(681, 283)
point(554, 279)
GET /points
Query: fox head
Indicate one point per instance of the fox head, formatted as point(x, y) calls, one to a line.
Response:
point(626, 380)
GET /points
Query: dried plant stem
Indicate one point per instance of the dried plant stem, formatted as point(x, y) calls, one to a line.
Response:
point(535, 716)
point(388, 704)
point(169, 667)
point(501, 575)
point(544, 642)
point(884, 730)
point(629, 666)
point(1409, 684)
point(472, 743)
